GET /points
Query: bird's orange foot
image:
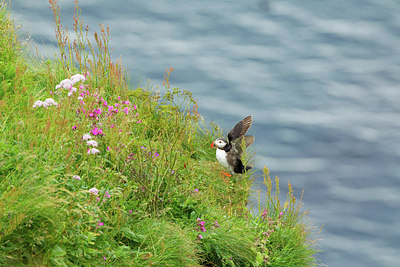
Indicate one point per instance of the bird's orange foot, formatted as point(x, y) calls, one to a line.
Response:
point(226, 174)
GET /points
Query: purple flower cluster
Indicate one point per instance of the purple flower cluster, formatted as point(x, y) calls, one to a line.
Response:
point(102, 110)
point(97, 131)
point(202, 228)
point(264, 214)
point(94, 114)
point(201, 224)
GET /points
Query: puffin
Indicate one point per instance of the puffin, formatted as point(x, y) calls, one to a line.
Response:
point(229, 151)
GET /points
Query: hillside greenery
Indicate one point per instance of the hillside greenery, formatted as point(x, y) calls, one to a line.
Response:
point(94, 172)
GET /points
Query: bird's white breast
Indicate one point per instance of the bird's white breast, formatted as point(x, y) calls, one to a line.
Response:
point(221, 157)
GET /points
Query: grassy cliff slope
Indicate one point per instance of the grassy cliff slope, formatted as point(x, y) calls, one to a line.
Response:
point(94, 172)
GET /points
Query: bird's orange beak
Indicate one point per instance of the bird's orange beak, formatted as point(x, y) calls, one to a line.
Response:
point(212, 144)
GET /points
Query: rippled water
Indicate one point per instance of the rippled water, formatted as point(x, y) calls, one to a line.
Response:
point(321, 79)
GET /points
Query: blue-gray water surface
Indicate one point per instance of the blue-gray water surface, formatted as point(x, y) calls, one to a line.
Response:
point(321, 79)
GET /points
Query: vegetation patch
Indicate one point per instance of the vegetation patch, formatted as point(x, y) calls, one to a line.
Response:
point(95, 172)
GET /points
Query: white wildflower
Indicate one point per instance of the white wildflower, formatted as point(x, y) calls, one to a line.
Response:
point(51, 102)
point(71, 91)
point(94, 191)
point(92, 143)
point(45, 104)
point(66, 84)
point(86, 137)
point(93, 151)
point(76, 177)
point(77, 78)
point(37, 104)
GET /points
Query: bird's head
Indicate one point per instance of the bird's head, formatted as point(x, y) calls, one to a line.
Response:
point(219, 143)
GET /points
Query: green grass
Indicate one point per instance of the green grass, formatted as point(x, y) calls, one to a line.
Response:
point(156, 176)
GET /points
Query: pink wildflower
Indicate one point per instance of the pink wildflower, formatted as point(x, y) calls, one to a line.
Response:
point(126, 111)
point(264, 214)
point(97, 131)
point(201, 224)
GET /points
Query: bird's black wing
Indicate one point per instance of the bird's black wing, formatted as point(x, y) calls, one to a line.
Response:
point(248, 140)
point(240, 129)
